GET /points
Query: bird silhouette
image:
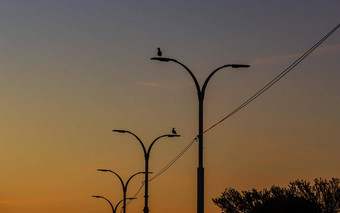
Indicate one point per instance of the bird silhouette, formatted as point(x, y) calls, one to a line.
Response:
point(174, 131)
point(159, 52)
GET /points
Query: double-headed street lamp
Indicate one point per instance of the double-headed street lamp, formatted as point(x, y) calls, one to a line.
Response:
point(114, 209)
point(146, 157)
point(123, 185)
point(200, 94)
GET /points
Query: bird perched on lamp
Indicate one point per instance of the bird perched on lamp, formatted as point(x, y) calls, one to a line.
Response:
point(159, 52)
point(174, 131)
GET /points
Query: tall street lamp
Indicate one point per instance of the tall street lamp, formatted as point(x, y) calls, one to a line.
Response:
point(146, 157)
point(114, 209)
point(123, 185)
point(200, 95)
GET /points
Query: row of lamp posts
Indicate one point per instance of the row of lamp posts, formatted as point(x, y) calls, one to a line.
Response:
point(200, 169)
point(146, 173)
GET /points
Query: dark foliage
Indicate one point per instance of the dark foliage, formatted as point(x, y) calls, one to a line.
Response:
point(299, 196)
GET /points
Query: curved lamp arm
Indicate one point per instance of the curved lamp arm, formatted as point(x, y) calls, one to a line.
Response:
point(199, 91)
point(113, 209)
point(139, 140)
point(127, 182)
point(185, 67)
point(118, 204)
point(211, 74)
point(107, 170)
point(153, 142)
point(122, 201)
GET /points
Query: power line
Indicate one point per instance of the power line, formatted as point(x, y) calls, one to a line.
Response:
point(276, 79)
point(136, 194)
point(173, 160)
point(140, 188)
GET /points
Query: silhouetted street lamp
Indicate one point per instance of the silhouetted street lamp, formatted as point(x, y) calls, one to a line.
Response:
point(200, 94)
point(114, 210)
point(123, 185)
point(146, 157)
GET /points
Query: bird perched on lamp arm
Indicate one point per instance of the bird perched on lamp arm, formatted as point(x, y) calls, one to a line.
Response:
point(159, 52)
point(174, 131)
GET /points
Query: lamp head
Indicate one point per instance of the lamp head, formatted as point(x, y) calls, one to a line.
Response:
point(171, 136)
point(119, 130)
point(240, 66)
point(131, 198)
point(160, 59)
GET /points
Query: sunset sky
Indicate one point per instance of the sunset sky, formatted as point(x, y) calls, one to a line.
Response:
point(71, 71)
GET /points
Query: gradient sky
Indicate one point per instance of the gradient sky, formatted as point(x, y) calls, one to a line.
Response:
point(73, 70)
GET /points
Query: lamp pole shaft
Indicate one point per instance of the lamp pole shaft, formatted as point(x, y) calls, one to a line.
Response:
point(146, 184)
point(200, 169)
point(124, 200)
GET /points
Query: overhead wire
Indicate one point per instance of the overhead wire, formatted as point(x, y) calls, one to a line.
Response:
point(136, 194)
point(275, 80)
point(173, 160)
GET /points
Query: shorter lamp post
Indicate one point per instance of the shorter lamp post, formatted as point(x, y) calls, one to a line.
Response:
point(114, 209)
point(146, 157)
point(124, 185)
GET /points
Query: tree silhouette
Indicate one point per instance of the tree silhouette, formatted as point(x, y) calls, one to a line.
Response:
point(299, 196)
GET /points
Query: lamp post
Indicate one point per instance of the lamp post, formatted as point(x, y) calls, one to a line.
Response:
point(114, 209)
point(200, 95)
point(146, 157)
point(123, 185)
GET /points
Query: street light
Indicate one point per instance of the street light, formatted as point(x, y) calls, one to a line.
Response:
point(200, 95)
point(146, 157)
point(123, 185)
point(114, 210)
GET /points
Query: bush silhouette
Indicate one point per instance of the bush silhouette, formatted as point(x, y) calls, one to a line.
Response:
point(300, 196)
